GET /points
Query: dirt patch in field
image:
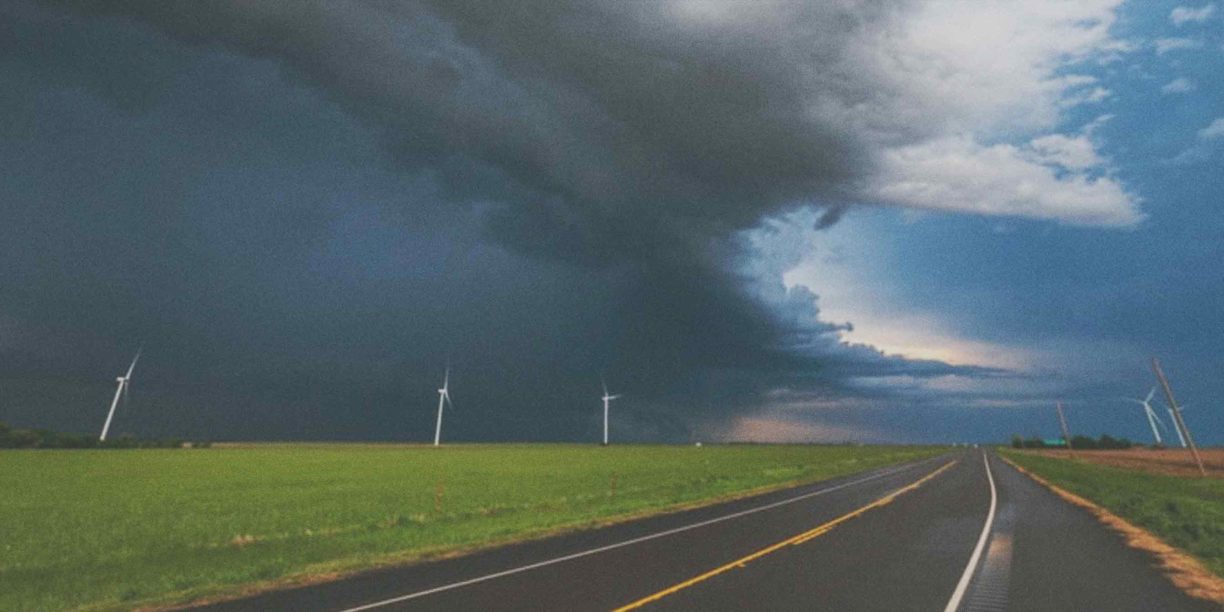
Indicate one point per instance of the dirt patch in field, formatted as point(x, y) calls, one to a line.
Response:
point(1174, 462)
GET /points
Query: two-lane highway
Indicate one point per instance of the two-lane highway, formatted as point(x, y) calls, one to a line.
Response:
point(962, 531)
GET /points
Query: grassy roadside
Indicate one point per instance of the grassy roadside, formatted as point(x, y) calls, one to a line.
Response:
point(113, 529)
point(1187, 513)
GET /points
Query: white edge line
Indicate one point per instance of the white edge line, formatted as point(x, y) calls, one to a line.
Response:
point(593, 551)
point(963, 585)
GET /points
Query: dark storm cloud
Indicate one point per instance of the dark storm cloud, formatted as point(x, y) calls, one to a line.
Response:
point(558, 190)
point(597, 119)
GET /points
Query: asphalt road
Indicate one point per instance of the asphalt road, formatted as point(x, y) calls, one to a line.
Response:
point(927, 535)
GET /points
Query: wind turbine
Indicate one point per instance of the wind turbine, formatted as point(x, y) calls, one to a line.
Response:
point(125, 382)
point(1180, 437)
point(1151, 414)
point(443, 398)
point(1176, 413)
point(606, 399)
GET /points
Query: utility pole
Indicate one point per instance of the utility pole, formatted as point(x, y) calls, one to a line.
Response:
point(1179, 422)
point(1062, 420)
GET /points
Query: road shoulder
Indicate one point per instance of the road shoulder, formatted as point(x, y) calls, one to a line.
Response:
point(1185, 572)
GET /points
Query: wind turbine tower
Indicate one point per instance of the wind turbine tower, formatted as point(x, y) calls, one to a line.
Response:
point(443, 399)
point(1151, 414)
point(125, 382)
point(606, 400)
point(1172, 417)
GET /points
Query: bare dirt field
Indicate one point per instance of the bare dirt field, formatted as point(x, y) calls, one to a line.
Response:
point(1176, 462)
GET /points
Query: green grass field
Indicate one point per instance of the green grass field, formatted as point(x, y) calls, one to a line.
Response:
point(110, 529)
point(1185, 512)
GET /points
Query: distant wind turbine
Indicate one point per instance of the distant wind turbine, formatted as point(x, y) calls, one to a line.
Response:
point(443, 398)
point(1151, 414)
point(125, 383)
point(1176, 413)
point(606, 399)
point(1180, 438)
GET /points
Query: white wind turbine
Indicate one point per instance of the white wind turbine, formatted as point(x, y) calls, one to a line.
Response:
point(606, 399)
point(1151, 414)
point(125, 382)
point(443, 398)
point(1180, 437)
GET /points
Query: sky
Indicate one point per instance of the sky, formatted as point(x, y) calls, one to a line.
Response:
point(854, 221)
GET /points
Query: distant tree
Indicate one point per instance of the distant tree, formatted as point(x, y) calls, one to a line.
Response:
point(24, 438)
point(1017, 441)
point(1083, 442)
point(1109, 442)
point(77, 441)
point(45, 438)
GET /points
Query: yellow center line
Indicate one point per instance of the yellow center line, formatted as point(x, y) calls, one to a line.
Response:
point(791, 541)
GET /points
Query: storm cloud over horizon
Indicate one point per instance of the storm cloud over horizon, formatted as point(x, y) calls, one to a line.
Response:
point(305, 209)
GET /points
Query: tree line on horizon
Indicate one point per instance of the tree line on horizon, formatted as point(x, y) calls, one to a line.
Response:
point(1080, 442)
point(45, 438)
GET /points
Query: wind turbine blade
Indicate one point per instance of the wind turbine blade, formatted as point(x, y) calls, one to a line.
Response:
point(446, 378)
point(134, 360)
point(604, 384)
point(1151, 394)
point(612, 397)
